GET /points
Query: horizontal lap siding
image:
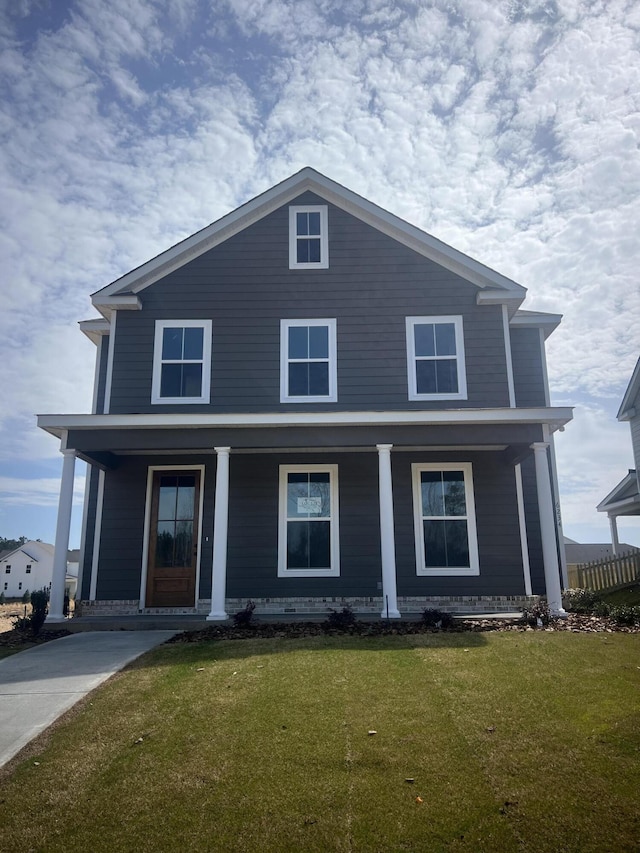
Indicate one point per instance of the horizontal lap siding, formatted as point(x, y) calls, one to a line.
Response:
point(528, 369)
point(246, 288)
point(253, 528)
point(122, 535)
point(500, 554)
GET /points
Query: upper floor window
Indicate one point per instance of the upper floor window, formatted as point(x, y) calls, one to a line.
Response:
point(435, 358)
point(444, 518)
point(182, 362)
point(308, 237)
point(308, 370)
point(8, 570)
point(28, 568)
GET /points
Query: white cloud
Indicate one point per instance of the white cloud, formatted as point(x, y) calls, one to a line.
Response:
point(42, 492)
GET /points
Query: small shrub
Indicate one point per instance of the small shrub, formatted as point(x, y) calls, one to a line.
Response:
point(342, 620)
point(1, 597)
point(580, 600)
point(437, 619)
point(26, 597)
point(538, 614)
point(39, 608)
point(625, 614)
point(242, 619)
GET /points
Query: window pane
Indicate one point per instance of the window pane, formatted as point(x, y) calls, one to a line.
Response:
point(171, 380)
point(318, 342)
point(426, 377)
point(184, 543)
point(302, 255)
point(299, 379)
point(313, 251)
point(297, 495)
point(298, 544)
point(432, 493)
point(191, 380)
point(167, 500)
point(314, 223)
point(454, 497)
point(424, 340)
point(186, 498)
point(320, 494)
point(445, 339)
point(319, 545)
point(434, 544)
point(298, 342)
point(172, 343)
point(193, 342)
point(302, 223)
point(164, 544)
point(318, 379)
point(457, 543)
point(446, 376)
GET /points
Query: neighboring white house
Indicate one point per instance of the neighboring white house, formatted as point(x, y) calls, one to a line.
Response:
point(30, 567)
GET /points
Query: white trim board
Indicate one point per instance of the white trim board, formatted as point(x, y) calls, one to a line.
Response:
point(556, 417)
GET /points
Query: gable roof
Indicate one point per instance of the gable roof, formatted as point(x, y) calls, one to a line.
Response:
point(627, 408)
point(122, 293)
point(624, 495)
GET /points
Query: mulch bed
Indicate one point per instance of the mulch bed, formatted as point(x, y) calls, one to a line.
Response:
point(20, 640)
point(577, 623)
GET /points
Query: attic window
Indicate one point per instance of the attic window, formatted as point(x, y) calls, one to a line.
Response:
point(308, 237)
point(181, 362)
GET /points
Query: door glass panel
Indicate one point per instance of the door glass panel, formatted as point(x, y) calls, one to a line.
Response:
point(167, 498)
point(186, 497)
point(184, 543)
point(165, 543)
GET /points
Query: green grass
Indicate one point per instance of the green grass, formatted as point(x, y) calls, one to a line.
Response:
point(516, 742)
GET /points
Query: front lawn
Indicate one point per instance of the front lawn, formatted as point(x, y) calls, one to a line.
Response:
point(475, 742)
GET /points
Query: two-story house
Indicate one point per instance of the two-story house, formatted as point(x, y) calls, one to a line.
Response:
point(313, 402)
point(624, 499)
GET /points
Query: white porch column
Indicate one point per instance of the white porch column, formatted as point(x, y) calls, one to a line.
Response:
point(548, 529)
point(387, 534)
point(63, 525)
point(220, 531)
point(615, 542)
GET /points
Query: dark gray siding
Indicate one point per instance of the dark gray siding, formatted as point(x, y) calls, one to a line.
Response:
point(103, 357)
point(246, 287)
point(122, 534)
point(253, 527)
point(500, 554)
point(90, 521)
point(528, 369)
point(532, 516)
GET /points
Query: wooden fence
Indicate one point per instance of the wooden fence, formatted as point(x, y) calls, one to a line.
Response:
point(607, 573)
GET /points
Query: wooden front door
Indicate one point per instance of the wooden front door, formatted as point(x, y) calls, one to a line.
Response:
point(173, 539)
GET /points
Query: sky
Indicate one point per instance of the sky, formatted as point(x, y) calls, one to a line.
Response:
point(507, 128)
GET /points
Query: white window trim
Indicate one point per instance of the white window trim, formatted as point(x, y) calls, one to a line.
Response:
point(323, 263)
point(412, 322)
point(334, 570)
point(205, 396)
point(466, 467)
point(332, 396)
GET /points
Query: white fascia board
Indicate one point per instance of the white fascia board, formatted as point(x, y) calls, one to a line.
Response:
point(118, 302)
point(627, 407)
point(536, 320)
point(556, 417)
point(263, 204)
point(511, 298)
point(613, 500)
point(95, 329)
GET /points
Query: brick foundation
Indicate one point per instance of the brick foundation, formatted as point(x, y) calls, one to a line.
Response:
point(288, 607)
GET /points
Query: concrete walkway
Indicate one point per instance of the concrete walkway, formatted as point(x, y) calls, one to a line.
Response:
point(40, 684)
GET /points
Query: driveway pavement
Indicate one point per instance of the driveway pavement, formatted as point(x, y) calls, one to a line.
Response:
point(40, 684)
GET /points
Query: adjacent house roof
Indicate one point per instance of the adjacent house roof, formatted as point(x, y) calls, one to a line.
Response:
point(624, 498)
point(627, 408)
point(578, 552)
point(122, 294)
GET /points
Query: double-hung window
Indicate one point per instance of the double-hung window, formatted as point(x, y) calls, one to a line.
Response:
point(444, 519)
point(308, 237)
point(308, 521)
point(308, 369)
point(435, 358)
point(182, 362)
